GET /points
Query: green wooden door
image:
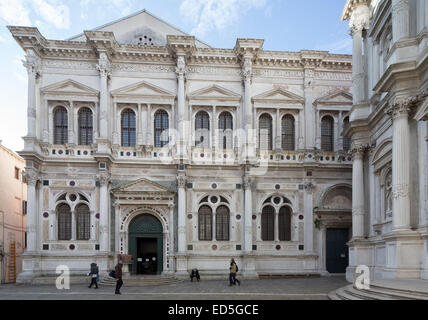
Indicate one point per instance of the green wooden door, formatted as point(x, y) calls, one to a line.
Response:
point(146, 226)
point(337, 250)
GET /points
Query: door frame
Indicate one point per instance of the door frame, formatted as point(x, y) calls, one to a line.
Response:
point(326, 247)
point(133, 245)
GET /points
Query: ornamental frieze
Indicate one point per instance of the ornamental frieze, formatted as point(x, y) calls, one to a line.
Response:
point(333, 76)
point(69, 65)
point(128, 67)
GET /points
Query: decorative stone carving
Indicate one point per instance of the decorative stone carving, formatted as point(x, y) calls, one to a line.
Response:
point(360, 19)
point(247, 69)
point(180, 70)
point(358, 152)
point(103, 65)
point(401, 107)
point(400, 191)
point(247, 183)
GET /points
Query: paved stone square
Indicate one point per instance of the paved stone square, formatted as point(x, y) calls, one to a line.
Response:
point(266, 289)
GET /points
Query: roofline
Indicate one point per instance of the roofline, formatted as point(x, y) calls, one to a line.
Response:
point(12, 153)
point(133, 15)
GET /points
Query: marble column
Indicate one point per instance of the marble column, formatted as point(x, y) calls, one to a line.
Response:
point(149, 141)
point(139, 127)
point(400, 19)
point(104, 69)
point(399, 110)
point(308, 209)
point(32, 210)
point(181, 179)
point(247, 74)
point(278, 130)
point(32, 64)
point(71, 122)
point(308, 112)
point(248, 216)
point(171, 233)
point(358, 200)
point(183, 130)
point(104, 179)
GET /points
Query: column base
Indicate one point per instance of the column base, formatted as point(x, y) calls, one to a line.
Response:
point(31, 268)
point(181, 264)
point(249, 267)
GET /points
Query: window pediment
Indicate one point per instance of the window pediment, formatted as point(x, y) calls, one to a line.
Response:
point(142, 186)
point(143, 90)
point(278, 96)
point(338, 98)
point(69, 88)
point(214, 93)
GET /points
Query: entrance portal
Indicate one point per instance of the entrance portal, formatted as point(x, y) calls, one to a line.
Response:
point(146, 245)
point(337, 250)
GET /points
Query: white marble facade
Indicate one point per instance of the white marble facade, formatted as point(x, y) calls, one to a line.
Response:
point(113, 69)
point(389, 136)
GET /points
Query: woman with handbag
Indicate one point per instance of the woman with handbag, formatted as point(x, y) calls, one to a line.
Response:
point(94, 275)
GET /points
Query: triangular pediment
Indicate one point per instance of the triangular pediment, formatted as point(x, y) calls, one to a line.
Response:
point(278, 95)
point(142, 186)
point(337, 98)
point(141, 28)
point(214, 92)
point(69, 87)
point(143, 89)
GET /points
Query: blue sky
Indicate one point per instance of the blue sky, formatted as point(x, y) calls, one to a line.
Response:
point(289, 25)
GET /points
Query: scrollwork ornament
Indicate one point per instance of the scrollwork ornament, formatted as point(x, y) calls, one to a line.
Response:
point(180, 70)
point(247, 69)
point(401, 107)
point(358, 152)
point(32, 63)
point(247, 183)
point(31, 177)
point(103, 65)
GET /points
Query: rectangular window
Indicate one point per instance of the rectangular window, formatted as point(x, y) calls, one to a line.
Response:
point(17, 173)
point(24, 207)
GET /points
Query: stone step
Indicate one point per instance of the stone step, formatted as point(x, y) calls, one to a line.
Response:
point(365, 295)
point(140, 282)
point(344, 295)
point(395, 294)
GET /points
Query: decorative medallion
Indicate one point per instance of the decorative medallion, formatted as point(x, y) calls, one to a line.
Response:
point(72, 183)
point(214, 186)
point(277, 187)
point(278, 247)
point(72, 247)
point(45, 215)
point(301, 217)
point(85, 153)
point(214, 247)
point(60, 152)
point(254, 217)
point(189, 216)
point(238, 217)
point(97, 216)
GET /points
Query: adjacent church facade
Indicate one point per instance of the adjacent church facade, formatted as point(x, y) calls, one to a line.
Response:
point(145, 141)
point(389, 130)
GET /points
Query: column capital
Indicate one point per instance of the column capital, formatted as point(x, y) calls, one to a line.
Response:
point(104, 66)
point(359, 151)
point(181, 180)
point(360, 19)
point(31, 177)
point(32, 63)
point(401, 107)
point(104, 178)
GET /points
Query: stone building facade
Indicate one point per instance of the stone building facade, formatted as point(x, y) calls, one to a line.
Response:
point(13, 204)
point(144, 140)
point(388, 126)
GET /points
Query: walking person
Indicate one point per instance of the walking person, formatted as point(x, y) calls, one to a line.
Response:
point(94, 275)
point(232, 275)
point(118, 276)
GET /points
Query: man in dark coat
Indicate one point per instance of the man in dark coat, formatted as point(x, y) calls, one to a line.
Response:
point(233, 269)
point(94, 275)
point(118, 275)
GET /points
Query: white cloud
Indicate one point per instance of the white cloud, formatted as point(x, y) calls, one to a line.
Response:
point(125, 7)
point(340, 46)
point(14, 12)
point(210, 15)
point(53, 12)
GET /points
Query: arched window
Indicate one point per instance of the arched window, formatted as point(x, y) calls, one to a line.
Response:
point(222, 219)
point(64, 222)
point(284, 221)
point(327, 134)
point(128, 128)
point(265, 132)
point(205, 217)
point(86, 129)
point(161, 129)
point(60, 125)
point(202, 127)
point(268, 223)
point(225, 126)
point(83, 220)
point(346, 140)
point(288, 133)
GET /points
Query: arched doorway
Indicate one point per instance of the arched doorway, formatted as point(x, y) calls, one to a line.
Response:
point(146, 245)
